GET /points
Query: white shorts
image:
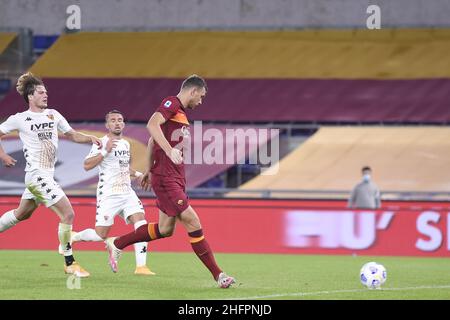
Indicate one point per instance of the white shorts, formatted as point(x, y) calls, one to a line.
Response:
point(42, 188)
point(122, 205)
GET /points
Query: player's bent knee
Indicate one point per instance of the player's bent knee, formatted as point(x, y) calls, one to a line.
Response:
point(68, 217)
point(168, 232)
point(196, 225)
point(191, 222)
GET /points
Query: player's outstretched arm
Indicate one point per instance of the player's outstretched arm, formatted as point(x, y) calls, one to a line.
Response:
point(7, 160)
point(92, 161)
point(79, 137)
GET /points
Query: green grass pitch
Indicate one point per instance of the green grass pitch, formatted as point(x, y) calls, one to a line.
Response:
point(39, 275)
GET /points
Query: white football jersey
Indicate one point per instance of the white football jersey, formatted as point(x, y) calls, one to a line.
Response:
point(38, 132)
point(114, 170)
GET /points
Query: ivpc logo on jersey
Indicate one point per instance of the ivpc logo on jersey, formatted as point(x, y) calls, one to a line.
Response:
point(216, 145)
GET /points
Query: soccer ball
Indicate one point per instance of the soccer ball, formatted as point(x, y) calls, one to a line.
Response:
point(373, 275)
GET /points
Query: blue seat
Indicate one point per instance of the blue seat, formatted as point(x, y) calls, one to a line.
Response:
point(5, 86)
point(42, 43)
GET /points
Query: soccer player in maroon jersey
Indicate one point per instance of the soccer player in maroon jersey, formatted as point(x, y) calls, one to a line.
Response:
point(168, 126)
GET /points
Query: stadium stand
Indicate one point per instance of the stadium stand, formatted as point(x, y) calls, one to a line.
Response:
point(42, 42)
point(319, 76)
point(315, 54)
point(358, 101)
point(393, 76)
point(5, 39)
point(332, 158)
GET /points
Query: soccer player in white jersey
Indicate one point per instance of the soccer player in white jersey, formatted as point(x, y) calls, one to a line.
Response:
point(38, 130)
point(114, 193)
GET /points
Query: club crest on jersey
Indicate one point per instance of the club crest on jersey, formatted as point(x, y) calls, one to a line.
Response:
point(167, 104)
point(51, 117)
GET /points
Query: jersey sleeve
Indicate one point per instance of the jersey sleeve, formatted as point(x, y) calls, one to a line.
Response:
point(168, 108)
point(9, 125)
point(63, 125)
point(94, 151)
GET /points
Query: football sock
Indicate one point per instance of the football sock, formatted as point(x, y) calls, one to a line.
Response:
point(69, 260)
point(64, 238)
point(153, 231)
point(140, 248)
point(204, 252)
point(8, 220)
point(145, 233)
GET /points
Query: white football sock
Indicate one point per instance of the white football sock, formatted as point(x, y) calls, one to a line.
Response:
point(64, 231)
point(8, 220)
point(140, 248)
point(87, 235)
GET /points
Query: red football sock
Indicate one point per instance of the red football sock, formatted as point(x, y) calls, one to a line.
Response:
point(203, 252)
point(146, 232)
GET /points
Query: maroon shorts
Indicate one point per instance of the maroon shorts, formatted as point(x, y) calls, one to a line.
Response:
point(171, 197)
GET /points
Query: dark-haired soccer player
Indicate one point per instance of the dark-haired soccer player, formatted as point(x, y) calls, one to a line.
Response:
point(115, 195)
point(38, 130)
point(168, 126)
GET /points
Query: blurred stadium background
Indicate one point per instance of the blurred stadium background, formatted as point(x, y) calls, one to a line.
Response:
point(341, 95)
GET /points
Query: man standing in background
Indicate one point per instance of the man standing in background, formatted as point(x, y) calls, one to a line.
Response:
point(365, 195)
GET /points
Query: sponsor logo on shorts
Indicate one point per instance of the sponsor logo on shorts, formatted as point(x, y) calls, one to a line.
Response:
point(180, 202)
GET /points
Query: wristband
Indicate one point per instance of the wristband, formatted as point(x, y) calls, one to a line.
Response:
point(103, 153)
point(137, 174)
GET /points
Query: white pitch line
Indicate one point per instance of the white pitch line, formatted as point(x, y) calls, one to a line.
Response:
point(316, 293)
